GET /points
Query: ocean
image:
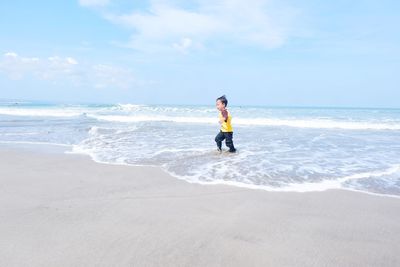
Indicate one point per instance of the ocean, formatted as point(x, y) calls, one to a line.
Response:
point(299, 149)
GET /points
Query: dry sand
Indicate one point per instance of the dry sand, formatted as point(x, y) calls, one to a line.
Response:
point(66, 210)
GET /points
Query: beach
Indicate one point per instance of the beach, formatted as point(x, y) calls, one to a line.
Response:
point(199, 133)
point(67, 210)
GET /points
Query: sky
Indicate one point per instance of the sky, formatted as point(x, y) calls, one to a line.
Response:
point(257, 52)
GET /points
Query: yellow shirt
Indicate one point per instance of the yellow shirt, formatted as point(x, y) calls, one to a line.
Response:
point(226, 126)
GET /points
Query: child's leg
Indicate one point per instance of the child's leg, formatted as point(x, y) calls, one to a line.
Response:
point(219, 138)
point(229, 142)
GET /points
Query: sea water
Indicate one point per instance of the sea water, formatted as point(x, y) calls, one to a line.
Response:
point(279, 148)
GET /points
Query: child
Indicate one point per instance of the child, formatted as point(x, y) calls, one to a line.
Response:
point(225, 119)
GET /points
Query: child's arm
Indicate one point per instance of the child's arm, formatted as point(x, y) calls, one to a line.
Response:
point(225, 115)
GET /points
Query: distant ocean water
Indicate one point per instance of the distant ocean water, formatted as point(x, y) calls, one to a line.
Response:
point(279, 148)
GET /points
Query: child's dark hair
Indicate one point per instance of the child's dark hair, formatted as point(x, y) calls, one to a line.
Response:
point(223, 100)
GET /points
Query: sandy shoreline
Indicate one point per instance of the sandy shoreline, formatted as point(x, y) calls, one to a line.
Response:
point(66, 210)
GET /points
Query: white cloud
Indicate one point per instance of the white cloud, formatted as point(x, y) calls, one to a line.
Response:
point(165, 24)
point(105, 75)
point(184, 45)
point(16, 67)
point(10, 54)
point(94, 3)
point(71, 60)
point(66, 69)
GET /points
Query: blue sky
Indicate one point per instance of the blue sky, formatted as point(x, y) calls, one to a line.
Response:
point(260, 52)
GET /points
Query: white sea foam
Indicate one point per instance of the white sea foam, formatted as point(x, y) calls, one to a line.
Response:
point(18, 134)
point(129, 113)
point(294, 154)
point(162, 109)
point(304, 187)
point(324, 124)
point(144, 118)
point(128, 107)
point(41, 112)
point(34, 143)
point(298, 123)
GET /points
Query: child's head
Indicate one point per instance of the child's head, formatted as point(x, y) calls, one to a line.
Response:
point(221, 102)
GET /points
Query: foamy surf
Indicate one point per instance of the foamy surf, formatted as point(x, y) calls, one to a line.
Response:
point(204, 115)
point(280, 149)
point(304, 187)
point(311, 123)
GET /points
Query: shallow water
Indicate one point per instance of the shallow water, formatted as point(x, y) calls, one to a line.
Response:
point(279, 149)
